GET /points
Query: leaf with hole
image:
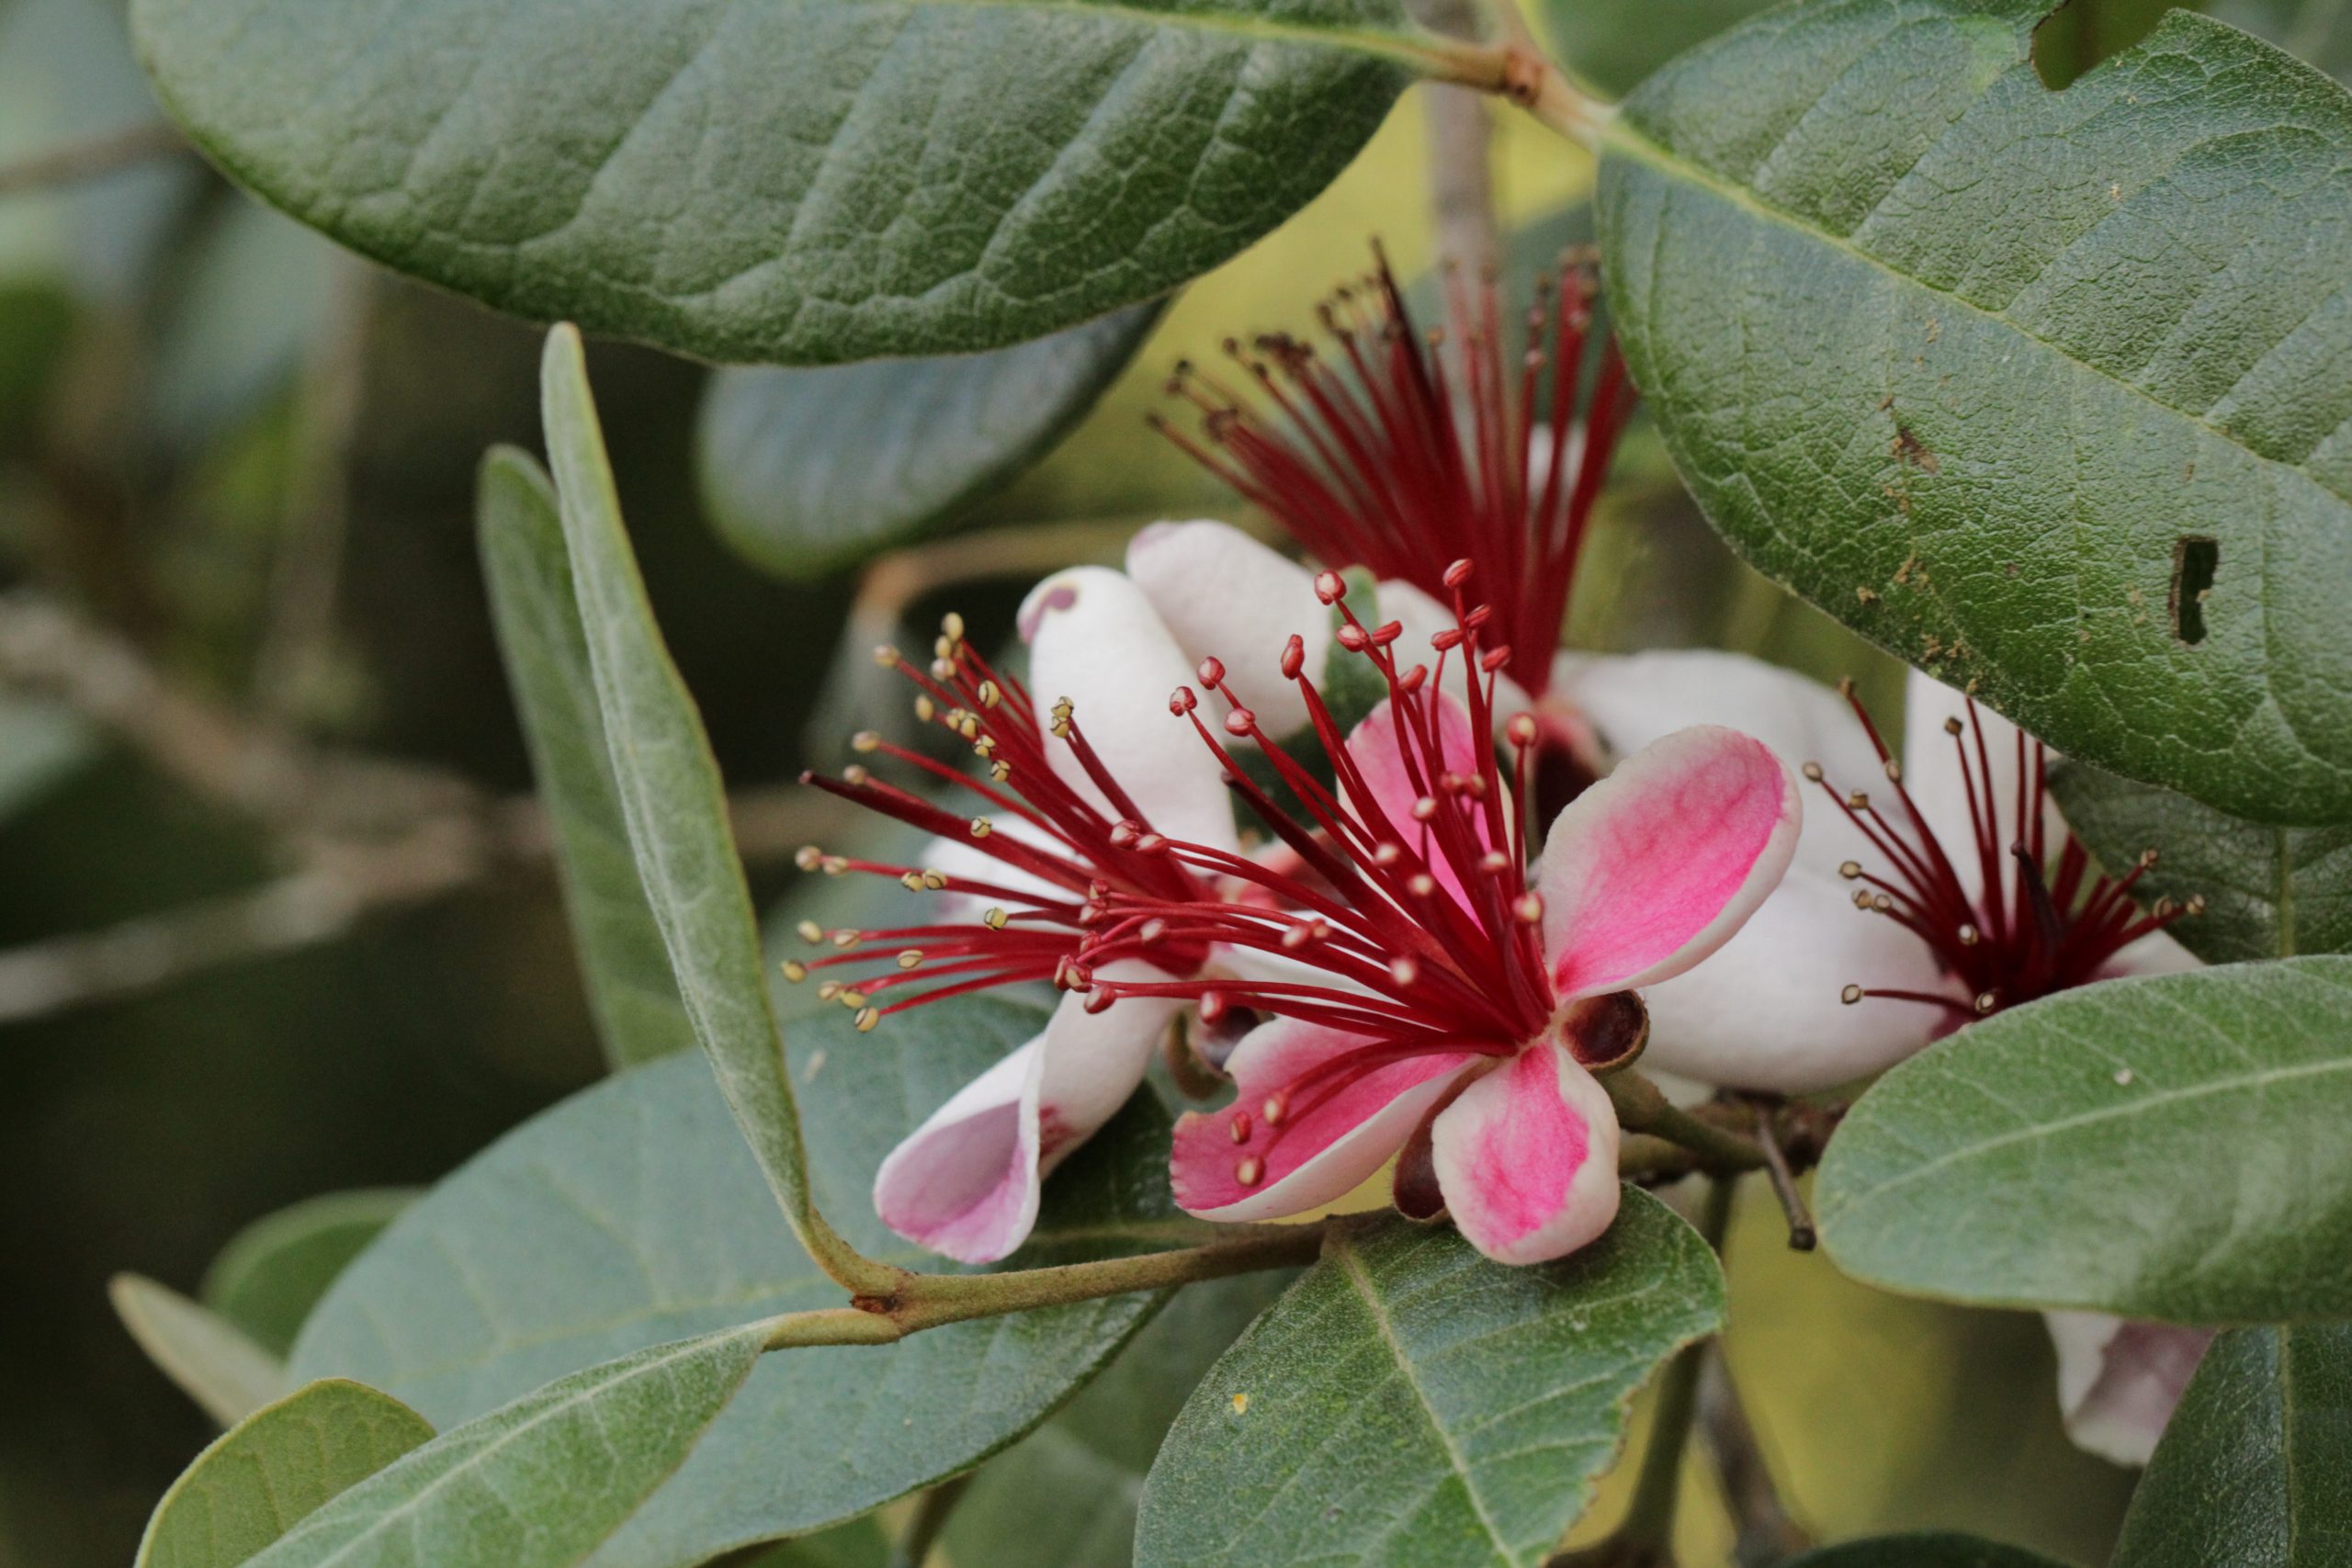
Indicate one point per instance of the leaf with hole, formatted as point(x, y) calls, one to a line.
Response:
point(827, 181)
point(273, 1468)
point(2252, 1469)
point(273, 1272)
point(214, 1362)
point(632, 1214)
point(2050, 392)
point(631, 991)
point(538, 1482)
point(1410, 1403)
point(809, 471)
point(2269, 892)
point(2164, 1147)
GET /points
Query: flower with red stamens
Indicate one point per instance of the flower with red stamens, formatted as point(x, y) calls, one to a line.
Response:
point(1068, 809)
point(1447, 997)
point(1389, 453)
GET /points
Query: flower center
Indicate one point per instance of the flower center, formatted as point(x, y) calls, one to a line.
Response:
point(2044, 918)
point(1384, 455)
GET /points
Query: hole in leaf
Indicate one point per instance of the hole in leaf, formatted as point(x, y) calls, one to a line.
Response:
point(2080, 34)
point(2195, 560)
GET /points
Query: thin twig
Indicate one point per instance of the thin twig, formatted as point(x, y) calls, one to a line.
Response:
point(1641, 1107)
point(932, 1511)
point(1801, 1236)
point(87, 160)
point(1765, 1533)
point(1462, 178)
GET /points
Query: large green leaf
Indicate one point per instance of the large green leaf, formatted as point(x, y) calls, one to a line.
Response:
point(622, 959)
point(673, 802)
point(273, 1468)
point(538, 1482)
point(1410, 1403)
point(1613, 44)
point(2167, 1148)
point(631, 1214)
point(806, 471)
point(213, 1361)
point(1092, 1457)
point(274, 1271)
point(2046, 391)
point(809, 182)
point(2269, 892)
point(2316, 30)
point(1924, 1551)
point(2256, 1468)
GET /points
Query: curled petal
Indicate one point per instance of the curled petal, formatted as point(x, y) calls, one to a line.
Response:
point(1657, 865)
point(1331, 1129)
point(1094, 638)
point(2119, 1381)
point(1220, 592)
point(966, 1182)
point(1767, 1009)
point(1527, 1157)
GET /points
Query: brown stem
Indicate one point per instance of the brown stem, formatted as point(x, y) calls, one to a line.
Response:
point(1765, 1533)
point(1801, 1236)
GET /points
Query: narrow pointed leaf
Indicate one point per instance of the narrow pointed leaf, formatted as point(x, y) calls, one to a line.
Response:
point(272, 1470)
point(627, 969)
point(809, 183)
point(2048, 392)
point(274, 1271)
point(215, 1363)
point(2256, 1468)
point(2269, 892)
point(2166, 1147)
point(809, 471)
point(672, 799)
point(631, 1214)
point(538, 1482)
point(1409, 1402)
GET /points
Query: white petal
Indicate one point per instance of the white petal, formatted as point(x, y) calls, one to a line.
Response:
point(1931, 771)
point(1764, 1012)
point(2119, 1381)
point(1220, 592)
point(965, 861)
point(1094, 638)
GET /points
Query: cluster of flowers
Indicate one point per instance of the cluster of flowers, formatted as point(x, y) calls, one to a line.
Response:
point(1414, 880)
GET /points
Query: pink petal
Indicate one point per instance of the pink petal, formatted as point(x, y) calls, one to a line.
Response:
point(1326, 1143)
point(1527, 1157)
point(965, 1183)
point(1657, 865)
point(1374, 747)
point(2119, 1381)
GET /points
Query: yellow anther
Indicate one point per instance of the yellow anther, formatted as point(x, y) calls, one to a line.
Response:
point(794, 971)
point(811, 932)
point(910, 958)
point(864, 741)
point(866, 1019)
point(995, 918)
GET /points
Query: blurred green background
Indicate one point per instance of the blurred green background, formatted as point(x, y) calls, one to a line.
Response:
point(245, 462)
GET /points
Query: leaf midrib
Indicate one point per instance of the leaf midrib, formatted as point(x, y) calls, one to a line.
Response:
point(2083, 1118)
point(1619, 135)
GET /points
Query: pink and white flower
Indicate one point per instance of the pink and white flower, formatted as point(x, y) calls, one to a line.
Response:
point(1448, 999)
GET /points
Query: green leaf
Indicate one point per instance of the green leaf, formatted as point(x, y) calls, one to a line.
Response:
point(813, 183)
point(622, 959)
point(2166, 1147)
point(213, 1360)
point(672, 800)
point(1989, 371)
point(2269, 892)
point(273, 1468)
point(1410, 1403)
point(2317, 30)
point(630, 1214)
point(1924, 1551)
point(807, 471)
point(273, 1272)
point(1092, 1457)
point(537, 1484)
point(2252, 1469)
point(1613, 44)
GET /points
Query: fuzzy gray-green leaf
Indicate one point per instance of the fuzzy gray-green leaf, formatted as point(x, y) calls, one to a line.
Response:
point(1409, 1402)
point(2048, 392)
point(274, 1271)
point(2166, 1147)
point(803, 183)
